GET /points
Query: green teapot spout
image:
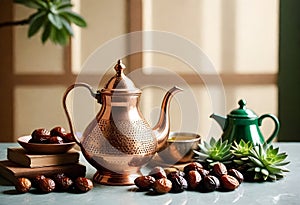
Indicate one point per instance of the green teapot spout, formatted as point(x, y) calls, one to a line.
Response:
point(220, 120)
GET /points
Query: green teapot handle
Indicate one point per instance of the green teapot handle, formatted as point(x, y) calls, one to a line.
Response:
point(276, 129)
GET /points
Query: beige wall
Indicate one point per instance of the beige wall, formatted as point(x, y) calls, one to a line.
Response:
point(41, 105)
point(237, 36)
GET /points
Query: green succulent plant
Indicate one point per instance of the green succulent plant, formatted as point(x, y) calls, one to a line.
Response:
point(53, 17)
point(266, 163)
point(214, 151)
point(256, 162)
point(241, 152)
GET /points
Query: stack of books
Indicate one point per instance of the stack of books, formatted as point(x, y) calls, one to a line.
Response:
point(20, 163)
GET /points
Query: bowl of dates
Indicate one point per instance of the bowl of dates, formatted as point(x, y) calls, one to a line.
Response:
point(180, 147)
point(43, 141)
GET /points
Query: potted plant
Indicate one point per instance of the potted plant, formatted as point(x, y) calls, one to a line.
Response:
point(52, 17)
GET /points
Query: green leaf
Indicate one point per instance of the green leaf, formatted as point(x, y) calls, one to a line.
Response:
point(251, 169)
point(36, 23)
point(208, 146)
point(272, 176)
point(275, 151)
point(254, 152)
point(55, 20)
point(250, 164)
point(34, 4)
point(256, 161)
point(218, 143)
point(46, 32)
point(281, 163)
point(274, 170)
point(200, 154)
point(64, 5)
point(225, 148)
point(239, 162)
point(265, 172)
point(235, 145)
point(61, 36)
point(203, 148)
point(260, 150)
point(265, 177)
point(281, 156)
point(73, 17)
point(212, 141)
point(257, 169)
point(67, 26)
point(227, 156)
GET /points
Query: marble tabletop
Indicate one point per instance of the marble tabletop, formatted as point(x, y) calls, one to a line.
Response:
point(285, 191)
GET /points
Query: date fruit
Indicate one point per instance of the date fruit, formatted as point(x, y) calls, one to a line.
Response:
point(58, 131)
point(144, 182)
point(193, 178)
point(179, 183)
point(40, 135)
point(162, 186)
point(56, 140)
point(62, 182)
point(83, 184)
point(158, 172)
point(219, 169)
point(192, 166)
point(23, 185)
point(68, 137)
point(229, 182)
point(203, 172)
point(46, 185)
point(236, 174)
point(56, 135)
point(211, 183)
point(35, 180)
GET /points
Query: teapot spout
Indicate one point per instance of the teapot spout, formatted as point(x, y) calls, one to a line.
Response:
point(220, 120)
point(162, 128)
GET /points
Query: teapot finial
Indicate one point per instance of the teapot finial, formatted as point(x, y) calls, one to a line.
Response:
point(242, 103)
point(119, 67)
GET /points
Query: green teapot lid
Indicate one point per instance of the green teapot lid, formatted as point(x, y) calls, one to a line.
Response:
point(242, 111)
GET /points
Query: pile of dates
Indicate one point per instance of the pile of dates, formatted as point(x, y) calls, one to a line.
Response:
point(193, 177)
point(56, 135)
point(58, 182)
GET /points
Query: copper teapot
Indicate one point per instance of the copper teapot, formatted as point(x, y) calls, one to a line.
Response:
point(119, 141)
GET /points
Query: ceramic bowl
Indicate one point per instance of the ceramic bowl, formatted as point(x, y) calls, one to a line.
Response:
point(44, 148)
point(180, 147)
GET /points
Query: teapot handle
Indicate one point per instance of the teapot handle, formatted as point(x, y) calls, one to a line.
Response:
point(276, 122)
point(71, 87)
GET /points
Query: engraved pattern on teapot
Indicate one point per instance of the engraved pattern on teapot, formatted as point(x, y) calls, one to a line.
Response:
point(133, 134)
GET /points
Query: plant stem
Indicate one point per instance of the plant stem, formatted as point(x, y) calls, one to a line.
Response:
point(15, 23)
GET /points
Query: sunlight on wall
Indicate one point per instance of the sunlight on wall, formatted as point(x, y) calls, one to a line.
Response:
point(237, 36)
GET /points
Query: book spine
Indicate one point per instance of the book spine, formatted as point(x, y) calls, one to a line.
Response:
point(18, 158)
point(73, 171)
point(34, 161)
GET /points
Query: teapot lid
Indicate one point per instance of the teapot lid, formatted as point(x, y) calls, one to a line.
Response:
point(120, 83)
point(242, 111)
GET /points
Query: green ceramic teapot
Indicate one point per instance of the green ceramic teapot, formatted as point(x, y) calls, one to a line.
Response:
point(243, 123)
